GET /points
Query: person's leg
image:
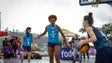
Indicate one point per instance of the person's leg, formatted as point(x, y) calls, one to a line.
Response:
point(87, 55)
point(84, 56)
point(23, 55)
point(29, 53)
point(29, 57)
point(80, 55)
point(51, 54)
point(104, 55)
point(74, 54)
point(57, 53)
point(15, 50)
point(4, 51)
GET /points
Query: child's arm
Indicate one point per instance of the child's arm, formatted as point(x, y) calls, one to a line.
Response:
point(72, 45)
point(42, 33)
point(22, 40)
point(33, 40)
point(64, 39)
point(9, 44)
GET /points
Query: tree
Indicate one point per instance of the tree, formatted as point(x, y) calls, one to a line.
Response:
point(107, 29)
point(82, 30)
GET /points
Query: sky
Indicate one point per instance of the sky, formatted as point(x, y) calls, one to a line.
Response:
point(19, 14)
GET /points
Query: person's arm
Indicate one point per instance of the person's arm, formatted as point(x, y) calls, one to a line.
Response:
point(45, 31)
point(64, 39)
point(92, 38)
point(72, 45)
point(33, 40)
point(3, 43)
point(9, 43)
point(22, 40)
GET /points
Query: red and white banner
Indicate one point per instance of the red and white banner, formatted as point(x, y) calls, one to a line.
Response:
point(3, 33)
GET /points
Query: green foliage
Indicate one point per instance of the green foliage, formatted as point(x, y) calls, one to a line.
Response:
point(82, 30)
point(107, 29)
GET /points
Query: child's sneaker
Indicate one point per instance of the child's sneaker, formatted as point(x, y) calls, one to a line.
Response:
point(73, 61)
point(21, 61)
point(28, 61)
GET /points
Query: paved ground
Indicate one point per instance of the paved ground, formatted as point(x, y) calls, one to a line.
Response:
point(44, 60)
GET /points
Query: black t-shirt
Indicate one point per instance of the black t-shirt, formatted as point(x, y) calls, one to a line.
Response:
point(11, 41)
point(5, 43)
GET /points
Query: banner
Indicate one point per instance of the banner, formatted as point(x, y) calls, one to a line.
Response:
point(66, 54)
point(3, 33)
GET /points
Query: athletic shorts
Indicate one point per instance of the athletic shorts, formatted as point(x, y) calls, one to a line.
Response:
point(52, 45)
point(26, 48)
point(104, 55)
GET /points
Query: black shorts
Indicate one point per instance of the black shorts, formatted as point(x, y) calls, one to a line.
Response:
point(52, 45)
point(104, 55)
point(26, 48)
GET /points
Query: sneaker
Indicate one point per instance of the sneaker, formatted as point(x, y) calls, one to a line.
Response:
point(73, 61)
point(21, 61)
point(28, 61)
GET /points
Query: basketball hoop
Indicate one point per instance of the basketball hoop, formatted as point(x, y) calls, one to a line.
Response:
point(96, 3)
point(98, 0)
point(92, 2)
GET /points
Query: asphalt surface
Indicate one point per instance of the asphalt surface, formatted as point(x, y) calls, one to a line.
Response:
point(44, 60)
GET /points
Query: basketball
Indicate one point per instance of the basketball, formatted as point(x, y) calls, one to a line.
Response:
point(84, 49)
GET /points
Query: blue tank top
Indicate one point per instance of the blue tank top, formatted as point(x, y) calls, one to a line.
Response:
point(53, 35)
point(27, 40)
point(102, 40)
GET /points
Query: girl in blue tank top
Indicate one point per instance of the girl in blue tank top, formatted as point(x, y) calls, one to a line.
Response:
point(100, 41)
point(53, 39)
point(28, 40)
point(53, 35)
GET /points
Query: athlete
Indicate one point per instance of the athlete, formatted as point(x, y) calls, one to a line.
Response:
point(99, 39)
point(27, 40)
point(53, 39)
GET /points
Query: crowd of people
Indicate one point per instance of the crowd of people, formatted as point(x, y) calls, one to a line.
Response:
point(76, 50)
point(12, 43)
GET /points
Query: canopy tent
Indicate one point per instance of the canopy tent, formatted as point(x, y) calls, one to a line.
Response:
point(68, 33)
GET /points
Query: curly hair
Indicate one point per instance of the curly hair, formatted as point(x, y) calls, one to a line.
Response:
point(52, 16)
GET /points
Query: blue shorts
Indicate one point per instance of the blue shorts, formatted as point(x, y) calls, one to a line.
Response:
point(52, 45)
point(104, 55)
point(26, 48)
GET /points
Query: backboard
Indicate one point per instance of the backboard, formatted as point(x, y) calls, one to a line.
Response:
point(90, 2)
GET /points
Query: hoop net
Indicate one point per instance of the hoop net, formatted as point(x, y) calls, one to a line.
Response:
point(97, 2)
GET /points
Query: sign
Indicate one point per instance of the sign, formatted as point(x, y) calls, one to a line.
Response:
point(66, 54)
point(3, 33)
